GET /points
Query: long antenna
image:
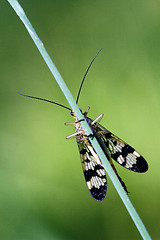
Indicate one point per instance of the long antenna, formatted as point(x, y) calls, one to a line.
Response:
point(46, 100)
point(42, 99)
point(86, 75)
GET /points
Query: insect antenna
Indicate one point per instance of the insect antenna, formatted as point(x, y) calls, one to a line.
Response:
point(46, 100)
point(86, 75)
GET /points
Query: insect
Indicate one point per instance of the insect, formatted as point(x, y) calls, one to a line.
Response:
point(113, 147)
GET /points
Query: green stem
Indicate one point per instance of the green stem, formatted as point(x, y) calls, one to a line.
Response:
point(18, 9)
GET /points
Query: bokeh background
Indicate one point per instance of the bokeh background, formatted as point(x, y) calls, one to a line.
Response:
point(42, 189)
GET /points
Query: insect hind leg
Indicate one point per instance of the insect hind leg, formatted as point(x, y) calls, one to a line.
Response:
point(120, 179)
point(74, 135)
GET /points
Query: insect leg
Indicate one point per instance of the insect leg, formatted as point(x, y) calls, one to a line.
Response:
point(97, 120)
point(70, 123)
point(86, 112)
point(103, 131)
point(74, 135)
point(120, 179)
point(73, 123)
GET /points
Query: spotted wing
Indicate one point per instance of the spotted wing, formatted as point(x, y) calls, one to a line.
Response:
point(93, 170)
point(120, 151)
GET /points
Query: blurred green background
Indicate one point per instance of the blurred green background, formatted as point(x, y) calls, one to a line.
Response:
point(42, 189)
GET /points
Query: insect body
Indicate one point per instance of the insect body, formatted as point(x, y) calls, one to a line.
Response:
point(113, 147)
point(93, 169)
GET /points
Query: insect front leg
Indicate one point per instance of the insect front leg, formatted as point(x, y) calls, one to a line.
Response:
point(74, 123)
point(97, 120)
point(70, 123)
point(86, 112)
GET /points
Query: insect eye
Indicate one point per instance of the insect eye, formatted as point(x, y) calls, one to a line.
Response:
point(71, 112)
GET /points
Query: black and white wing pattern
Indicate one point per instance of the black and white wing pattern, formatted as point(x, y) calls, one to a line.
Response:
point(93, 170)
point(119, 150)
point(113, 147)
